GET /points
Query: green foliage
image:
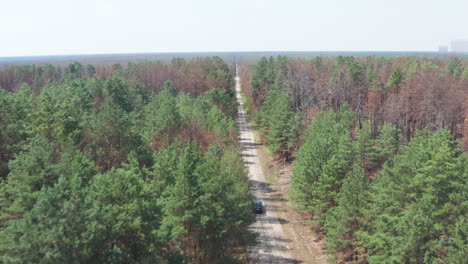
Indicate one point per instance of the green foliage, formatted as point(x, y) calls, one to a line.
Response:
point(90, 70)
point(129, 217)
point(416, 203)
point(465, 74)
point(81, 184)
point(15, 119)
point(119, 91)
point(74, 70)
point(396, 79)
point(56, 228)
point(374, 81)
point(168, 87)
point(264, 74)
point(223, 99)
point(215, 184)
point(345, 219)
point(454, 67)
point(161, 112)
point(282, 125)
point(221, 124)
point(374, 152)
point(386, 145)
point(109, 137)
point(60, 110)
point(323, 161)
point(457, 242)
point(354, 67)
point(217, 70)
point(30, 172)
point(414, 212)
point(364, 144)
point(277, 119)
point(376, 200)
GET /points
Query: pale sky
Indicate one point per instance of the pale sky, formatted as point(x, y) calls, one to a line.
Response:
point(58, 27)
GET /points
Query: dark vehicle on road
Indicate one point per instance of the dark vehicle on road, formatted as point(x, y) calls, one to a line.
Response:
point(258, 207)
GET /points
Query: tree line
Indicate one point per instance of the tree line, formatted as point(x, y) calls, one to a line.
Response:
point(110, 169)
point(378, 164)
point(409, 92)
point(194, 76)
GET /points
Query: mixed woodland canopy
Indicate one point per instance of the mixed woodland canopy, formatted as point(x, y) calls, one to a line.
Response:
point(139, 163)
point(114, 164)
point(376, 145)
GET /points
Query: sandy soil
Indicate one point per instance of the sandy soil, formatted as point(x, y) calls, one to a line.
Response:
point(305, 247)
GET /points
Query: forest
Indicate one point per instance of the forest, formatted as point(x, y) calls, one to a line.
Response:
point(377, 147)
point(121, 164)
point(139, 163)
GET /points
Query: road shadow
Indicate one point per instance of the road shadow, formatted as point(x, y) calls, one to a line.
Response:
point(248, 155)
point(263, 252)
point(246, 145)
point(243, 140)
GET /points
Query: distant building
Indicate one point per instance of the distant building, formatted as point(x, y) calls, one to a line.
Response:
point(459, 46)
point(443, 49)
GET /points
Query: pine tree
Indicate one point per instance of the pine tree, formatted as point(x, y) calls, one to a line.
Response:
point(129, 217)
point(279, 124)
point(108, 137)
point(396, 79)
point(119, 91)
point(323, 161)
point(161, 113)
point(454, 67)
point(416, 201)
point(386, 145)
point(179, 203)
point(15, 122)
point(277, 119)
point(345, 219)
point(31, 171)
point(54, 226)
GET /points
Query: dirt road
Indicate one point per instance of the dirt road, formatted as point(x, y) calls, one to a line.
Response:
point(272, 246)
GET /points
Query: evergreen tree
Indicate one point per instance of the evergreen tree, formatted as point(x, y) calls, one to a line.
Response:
point(345, 219)
point(323, 161)
point(221, 124)
point(81, 185)
point(109, 137)
point(277, 119)
point(120, 92)
point(15, 123)
point(365, 145)
point(129, 218)
point(178, 203)
point(396, 79)
point(161, 113)
point(90, 70)
point(74, 70)
point(282, 124)
point(52, 225)
point(31, 171)
point(417, 201)
point(386, 145)
point(169, 88)
point(454, 67)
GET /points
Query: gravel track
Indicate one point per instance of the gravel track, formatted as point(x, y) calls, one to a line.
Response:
point(271, 246)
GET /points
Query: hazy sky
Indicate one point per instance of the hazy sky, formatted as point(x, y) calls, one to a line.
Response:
point(53, 27)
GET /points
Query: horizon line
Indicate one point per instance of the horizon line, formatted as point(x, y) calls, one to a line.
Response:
point(246, 51)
